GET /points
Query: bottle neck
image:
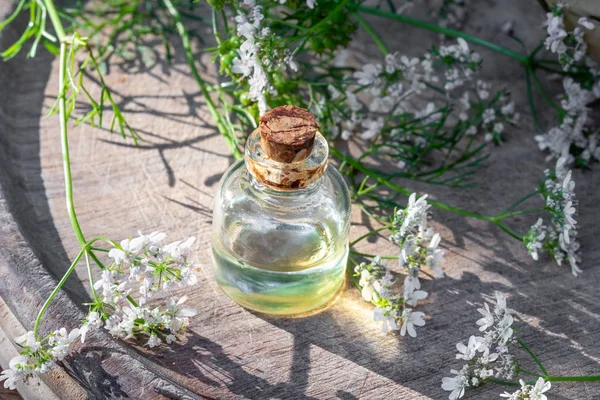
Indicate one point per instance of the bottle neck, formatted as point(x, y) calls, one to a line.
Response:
point(280, 176)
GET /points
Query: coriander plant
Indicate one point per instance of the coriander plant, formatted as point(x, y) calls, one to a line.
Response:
point(427, 119)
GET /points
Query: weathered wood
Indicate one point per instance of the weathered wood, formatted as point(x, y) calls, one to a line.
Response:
point(168, 183)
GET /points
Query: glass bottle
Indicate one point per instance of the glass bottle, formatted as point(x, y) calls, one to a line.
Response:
point(281, 219)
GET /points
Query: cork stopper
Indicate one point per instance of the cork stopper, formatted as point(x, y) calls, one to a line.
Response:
point(287, 133)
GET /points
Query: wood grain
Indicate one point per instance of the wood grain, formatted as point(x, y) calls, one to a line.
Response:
point(168, 183)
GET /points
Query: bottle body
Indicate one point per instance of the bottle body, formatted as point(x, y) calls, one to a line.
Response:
point(280, 251)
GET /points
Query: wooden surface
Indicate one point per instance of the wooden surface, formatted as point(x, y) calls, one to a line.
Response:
point(168, 184)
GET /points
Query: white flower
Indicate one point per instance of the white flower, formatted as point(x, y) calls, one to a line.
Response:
point(113, 325)
point(561, 236)
point(489, 115)
point(414, 212)
point(488, 318)
point(179, 251)
point(93, 320)
point(411, 298)
point(189, 276)
point(153, 341)
point(483, 89)
point(410, 319)
point(369, 75)
point(498, 127)
point(457, 384)
point(383, 104)
point(435, 256)
point(29, 341)
point(11, 377)
point(387, 316)
point(171, 339)
point(528, 392)
point(411, 283)
point(556, 33)
point(469, 351)
point(534, 239)
point(500, 309)
point(586, 23)
point(373, 127)
point(119, 255)
point(311, 3)
point(508, 109)
point(463, 44)
point(174, 307)
point(366, 283)
point(383, 285)
point(505, 330)
point(541, 387)
point(18, 367)
point(61, 341)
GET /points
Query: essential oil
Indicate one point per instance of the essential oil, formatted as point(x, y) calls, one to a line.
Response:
point(281, 219)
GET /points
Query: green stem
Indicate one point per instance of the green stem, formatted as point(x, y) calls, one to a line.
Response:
point(501, 382)
point(532, 354)
point(381, 179)
point(522, 212)
point(329, 16)
point(377, 176)
point(64, 140)
point(446, 31)
point(589, 378)
point(99, 249)
point(536, 121)
point(86, 248)
point(189, 55)
point(545, 94)
point(55, 19)
point(369, 29)
point(214, 26)
point(56, 290)
point(132, 301)
point(529, 372)
point(91, 276)
point(356, 253)
point(371, 233)
point(509, 231)
point(516, 203)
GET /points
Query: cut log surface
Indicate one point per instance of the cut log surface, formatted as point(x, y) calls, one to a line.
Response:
point(168, 183)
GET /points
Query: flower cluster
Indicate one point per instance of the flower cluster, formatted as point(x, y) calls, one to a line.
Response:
point(461, 63)
point(260, 51)
point(529, 392)
point(570, 46)
point(574, 137)
point(418, 245)
point(486, 356)
point(140, 267)
point(417, 241)
point(37, 355)
point(487, 113)
point(559, 238)
point(452, 13)
point(390, 85)
point(380, 94)
point(248, 64)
